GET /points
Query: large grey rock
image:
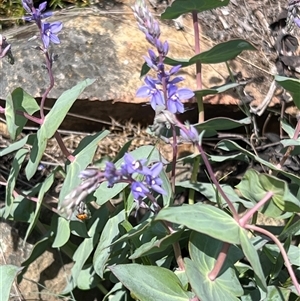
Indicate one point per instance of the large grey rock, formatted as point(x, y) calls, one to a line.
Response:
point(108, 46)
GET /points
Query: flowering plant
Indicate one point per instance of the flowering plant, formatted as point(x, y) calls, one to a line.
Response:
point(150, 247)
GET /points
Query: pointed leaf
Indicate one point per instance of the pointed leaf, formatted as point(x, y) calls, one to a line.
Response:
point(292, 85)
point(109, 234)
point(18, 100)
point(51, 124)
point(230, 145)
point(150, 283)
point(8, 273)
point(84, 155)
point(29, 139)
point(204, 219)
point(179, 7)
point(12, 178)
point(252, 256)
point(62, 232)
point(217, 90)
point(223, 52)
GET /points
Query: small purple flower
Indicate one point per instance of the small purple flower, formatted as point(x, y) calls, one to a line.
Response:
point(35, 13)
point(297, 21)
point(147, 24)
point(49, 30)
point(162, 48)
point(153, 180)
point(139, 190)
point(111, 174)
point(175, 96)
point(167, 75)
point(150, 90)
point(131, 166)
point(190, 134)
point(152, 60)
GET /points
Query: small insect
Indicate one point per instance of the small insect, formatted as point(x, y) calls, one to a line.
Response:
point(83, 213)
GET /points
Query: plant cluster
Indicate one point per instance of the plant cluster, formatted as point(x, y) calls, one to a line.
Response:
point(148, 247)
point(13, 10)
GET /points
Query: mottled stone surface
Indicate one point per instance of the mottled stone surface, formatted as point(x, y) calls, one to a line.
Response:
point(107, 45)
point(45, 277)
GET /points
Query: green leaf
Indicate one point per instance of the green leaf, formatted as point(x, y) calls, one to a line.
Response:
point(62, 106)
point(292, 85)
point(230, 146)
point(204, 219)
point(150, 283)
point(277, 293)
point(220, 123)
point(84, 155)
point(282, 199)
point(87, 279)
point(109, 234)
point(287, 128)
point(179, 7)
point(156, 245)
point(293, 229)
point(223, 52)
point(18, 100)
point(204, 251)
point(45, 186)
point(211, 193)
point(8, 273)
point(62, 232)
point(217, 90)
point(85, 249)
point(12, 178)
point(176, 62)
point(252, 256)
point(51, 124)
point(29, 139)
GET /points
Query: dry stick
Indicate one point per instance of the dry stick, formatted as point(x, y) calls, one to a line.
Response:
point(262, 107)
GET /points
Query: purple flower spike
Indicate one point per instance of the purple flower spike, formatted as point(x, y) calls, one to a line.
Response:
point(190, 134)
point(153, 179)
point(175, 96)
point(131, 166)
point(139, 190)
point(111, 174)
point(28, 5)
point(35, 14)
point(297, 22)
point(150, 90)
point(49, 31)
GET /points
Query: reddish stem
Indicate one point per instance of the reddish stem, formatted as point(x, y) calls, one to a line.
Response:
point(220, 261)
point(198, 65)
point(215, 181)
point(282, 250)
point(253, 210)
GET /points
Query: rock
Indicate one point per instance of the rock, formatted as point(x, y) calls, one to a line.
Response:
point(107, 45)
point(45, 277)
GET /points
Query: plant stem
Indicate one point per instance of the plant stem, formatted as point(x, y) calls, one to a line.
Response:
point(218, 186)
point(251, 212)
point(194, 179)
point(282, 250)
point(220, 261)
point(198, 66)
